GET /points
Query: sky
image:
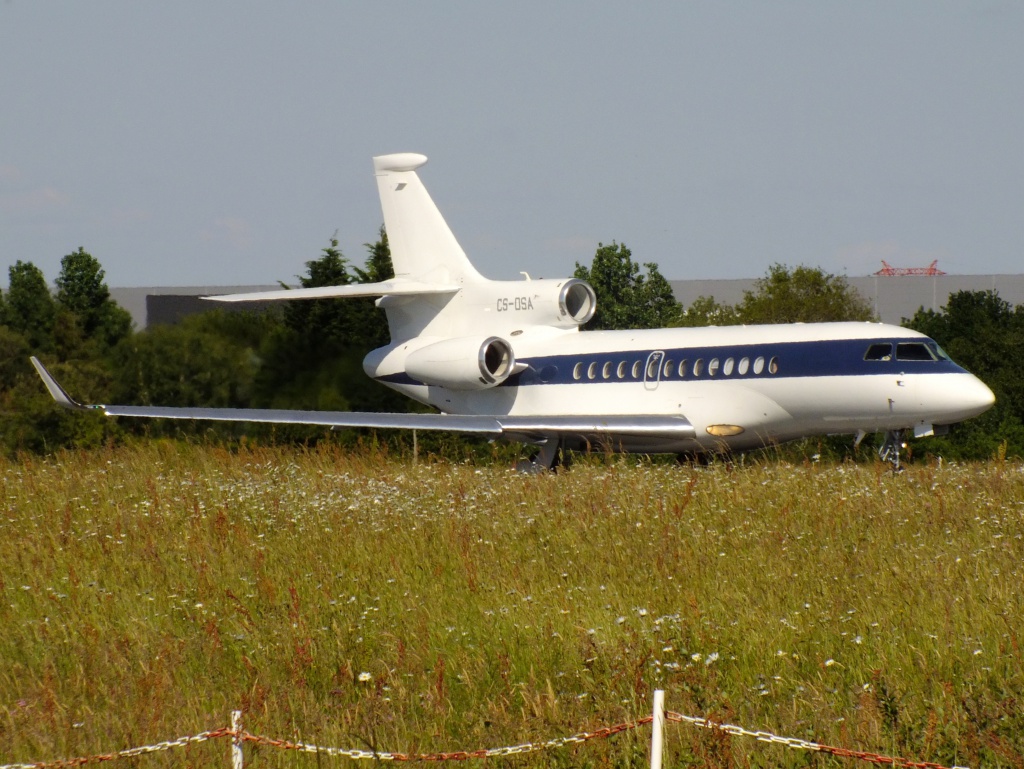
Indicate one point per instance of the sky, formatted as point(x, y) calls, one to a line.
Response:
point(225, 143)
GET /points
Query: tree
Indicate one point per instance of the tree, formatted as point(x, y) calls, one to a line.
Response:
point(625, 297)
point(82, 292)
point(29, 308)
point(192, 363)
point(705, 311)
point(35, 324)
point(368, 318)
point(14, 354)
point(802, 295)
point(321, 321)
point(314, 360)
point(378, 264)
point(984, 334)
point(80, 285)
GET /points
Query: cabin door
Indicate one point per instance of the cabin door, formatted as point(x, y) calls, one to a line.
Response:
point(652, 371)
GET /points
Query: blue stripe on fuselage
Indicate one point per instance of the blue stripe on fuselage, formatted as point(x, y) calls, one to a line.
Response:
point(817, 358)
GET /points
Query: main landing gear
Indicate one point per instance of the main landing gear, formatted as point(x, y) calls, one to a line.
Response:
point(550, 457)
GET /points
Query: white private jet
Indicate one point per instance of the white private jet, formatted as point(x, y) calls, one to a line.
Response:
point(507, 359)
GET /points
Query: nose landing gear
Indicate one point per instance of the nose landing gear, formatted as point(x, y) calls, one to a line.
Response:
point(889, 451)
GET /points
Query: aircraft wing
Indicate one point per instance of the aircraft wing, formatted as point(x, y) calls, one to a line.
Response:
point(537, 427)
point(396, 287)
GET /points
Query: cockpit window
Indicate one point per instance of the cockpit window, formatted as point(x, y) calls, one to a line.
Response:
point(881, 351)
point(939, 352)
point(914, 351)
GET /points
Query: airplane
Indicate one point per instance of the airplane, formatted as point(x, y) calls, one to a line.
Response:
point(508, 359)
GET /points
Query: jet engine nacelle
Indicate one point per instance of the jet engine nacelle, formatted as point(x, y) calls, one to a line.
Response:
point(577, 301)
point(466, 363)
point(563, 303)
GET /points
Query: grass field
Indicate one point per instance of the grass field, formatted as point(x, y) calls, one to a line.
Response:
point(362, 601)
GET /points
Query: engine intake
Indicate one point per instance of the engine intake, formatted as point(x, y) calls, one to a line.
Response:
point(577, 300)
point(466, 363)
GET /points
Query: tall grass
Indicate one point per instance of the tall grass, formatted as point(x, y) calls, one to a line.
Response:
point(363, 601)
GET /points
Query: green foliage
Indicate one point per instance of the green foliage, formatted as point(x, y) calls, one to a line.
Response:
point(323, 326)
point(192, 363)
point(309, 355)
point(81, 324)
point(328, 316)
point(314, 359)
point(625, 297)
point(802, 295)
point(705, 311)
point(784, 295)
point(209, 360)
point(29, 419)
point(29, 308)
point(378, 262)
point(32, 325)
point(94, 319)
point(984, 334)
point(80, 287)
point(14, 353)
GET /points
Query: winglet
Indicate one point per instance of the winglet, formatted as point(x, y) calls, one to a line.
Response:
point(59, 393)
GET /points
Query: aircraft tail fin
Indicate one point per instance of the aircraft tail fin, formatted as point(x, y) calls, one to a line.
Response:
point(423, 247)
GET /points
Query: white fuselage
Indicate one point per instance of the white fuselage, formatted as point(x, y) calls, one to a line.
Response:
point(739, 386)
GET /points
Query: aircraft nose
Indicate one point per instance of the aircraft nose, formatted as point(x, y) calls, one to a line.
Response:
point(976, 395)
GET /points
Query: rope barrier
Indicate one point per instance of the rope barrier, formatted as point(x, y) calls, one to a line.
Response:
point(798, 744)
point(460, 755)
point(129, 753)
point(240, 737)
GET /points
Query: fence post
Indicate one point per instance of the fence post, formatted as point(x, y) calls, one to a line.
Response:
point(657, 730)
point(237, 759)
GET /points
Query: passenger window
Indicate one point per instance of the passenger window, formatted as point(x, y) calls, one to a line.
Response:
point(727, 366)
point(879, 352)
point(744, 366)
point(773, 366)
point(636, 370)
point(577, 371)
point(713, 367)
point(606, 370)
point(682, 368)
point(913, 351)
point(698, 367)
point(758, 364)
point(620, 372)
point(669, 365)
point(652, 369)
point(591, 371)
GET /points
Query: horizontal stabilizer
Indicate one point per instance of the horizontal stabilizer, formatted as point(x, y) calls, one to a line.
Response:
point(385, 288)
point(487, 424)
